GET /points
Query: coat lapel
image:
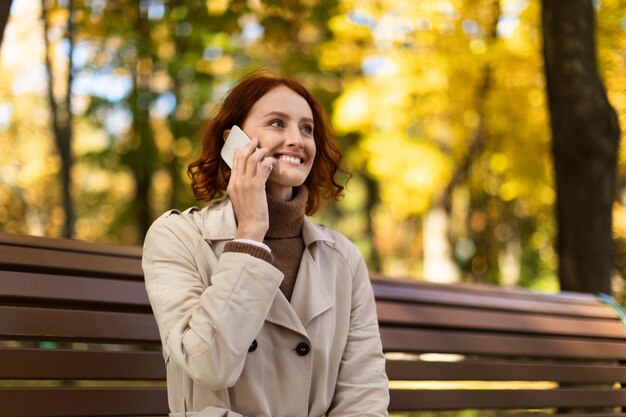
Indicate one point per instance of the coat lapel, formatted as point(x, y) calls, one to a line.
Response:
point(310, 298)
point(282, 314)
point(310, 295)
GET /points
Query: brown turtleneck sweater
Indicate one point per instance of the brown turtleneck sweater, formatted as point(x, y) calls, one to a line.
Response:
point(284, 237)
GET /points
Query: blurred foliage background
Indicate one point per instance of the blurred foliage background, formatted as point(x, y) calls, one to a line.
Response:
point(439, 107)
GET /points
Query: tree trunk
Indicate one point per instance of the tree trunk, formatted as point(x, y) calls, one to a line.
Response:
point(585, 141)
point(61, 116)
point(5, 11)
point(373, 193)
point(143, 153)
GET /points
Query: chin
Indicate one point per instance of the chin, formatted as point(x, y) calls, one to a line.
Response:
point(292, 184)
point(288, 180)
point(284, 182)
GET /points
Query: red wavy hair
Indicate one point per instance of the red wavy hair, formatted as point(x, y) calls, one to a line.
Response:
point(209, 173)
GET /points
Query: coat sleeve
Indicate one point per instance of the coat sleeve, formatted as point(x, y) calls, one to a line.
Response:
point(362, 386)
point(206, 330)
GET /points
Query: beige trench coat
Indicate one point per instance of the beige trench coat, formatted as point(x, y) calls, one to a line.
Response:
point(235, 346)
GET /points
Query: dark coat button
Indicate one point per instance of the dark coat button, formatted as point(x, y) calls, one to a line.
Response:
point(253, 346)
point(302, 349)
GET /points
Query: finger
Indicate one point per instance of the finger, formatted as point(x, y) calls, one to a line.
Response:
point(241, 157)
point(250, 147)
point(254, 160)
point(266, 166)
point(258, 155)
point(236, 171)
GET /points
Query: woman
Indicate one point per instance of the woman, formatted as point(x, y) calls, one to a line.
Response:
point(261, 312)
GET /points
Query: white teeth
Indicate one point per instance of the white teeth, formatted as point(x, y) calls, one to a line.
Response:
point(290, 159)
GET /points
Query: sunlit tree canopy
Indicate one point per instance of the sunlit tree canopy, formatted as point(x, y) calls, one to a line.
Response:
point(439, 107)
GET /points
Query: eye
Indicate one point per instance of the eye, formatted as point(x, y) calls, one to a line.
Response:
point(307, 129)
point(276, 123)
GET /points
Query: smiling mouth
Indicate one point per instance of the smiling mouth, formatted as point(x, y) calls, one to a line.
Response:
point(290, 159)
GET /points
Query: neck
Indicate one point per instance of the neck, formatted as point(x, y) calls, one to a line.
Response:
point(280, 192)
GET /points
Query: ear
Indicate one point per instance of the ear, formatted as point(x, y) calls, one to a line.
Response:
point(225, 135)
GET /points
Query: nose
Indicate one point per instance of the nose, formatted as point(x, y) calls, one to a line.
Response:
point(294, 138)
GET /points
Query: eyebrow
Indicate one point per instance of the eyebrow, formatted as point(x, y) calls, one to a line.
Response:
point(286, 116)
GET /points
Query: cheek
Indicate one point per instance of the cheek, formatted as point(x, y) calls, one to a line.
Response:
point(311, 149)
point(248, 127)
point(269, 140)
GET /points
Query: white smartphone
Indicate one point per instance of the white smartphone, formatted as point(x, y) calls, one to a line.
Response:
point(236, 139)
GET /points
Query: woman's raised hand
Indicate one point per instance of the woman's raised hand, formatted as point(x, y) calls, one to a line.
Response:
point(246, 189)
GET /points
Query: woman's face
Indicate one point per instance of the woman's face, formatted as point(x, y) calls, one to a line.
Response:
point(282, 121)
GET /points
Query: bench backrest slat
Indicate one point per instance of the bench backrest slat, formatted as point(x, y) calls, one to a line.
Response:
point(491, 300)
point(470, 343)
point(574, 415)
point(498, 370)
point(41, 288)
point(71, 261)
point(82, 402)
point(76, 324)
point(64, 364)
point(404, 314)
point(407, 400)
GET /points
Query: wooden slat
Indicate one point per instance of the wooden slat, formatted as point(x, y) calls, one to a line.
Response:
point(408, 400)
point(574, 415)
point(59, 262)
point(443, 295)
point(452, 317)
point(504, 371)
point(486, 289)
point(469, 343)
point(38, 287)
point(70, 245)
point(83, 402)
point(77, 325)
point(78, 364)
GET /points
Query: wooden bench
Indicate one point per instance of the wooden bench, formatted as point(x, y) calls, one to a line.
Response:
point(77, 335)
point(77, 338)
point(513, 349)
